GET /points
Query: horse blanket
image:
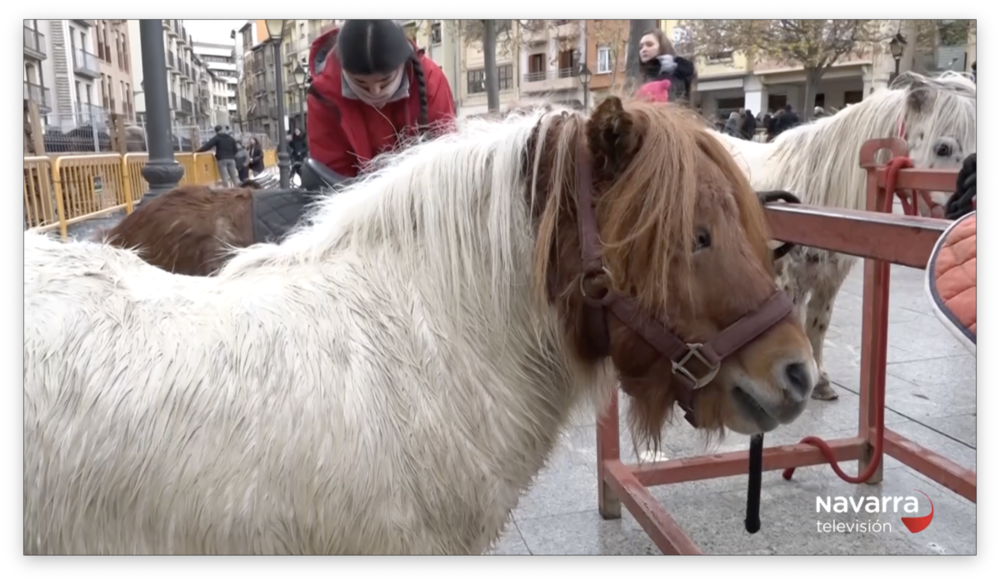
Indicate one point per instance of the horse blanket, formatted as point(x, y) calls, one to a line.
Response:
point(275, 212)
point(951, 280)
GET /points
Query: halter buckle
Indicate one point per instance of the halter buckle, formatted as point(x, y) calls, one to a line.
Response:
point(597, 299)
point(681, 368)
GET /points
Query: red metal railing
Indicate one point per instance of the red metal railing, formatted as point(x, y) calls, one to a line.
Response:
point(881, 239)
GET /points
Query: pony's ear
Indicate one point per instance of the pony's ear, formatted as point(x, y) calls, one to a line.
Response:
point(919, 98)
point(612, 138)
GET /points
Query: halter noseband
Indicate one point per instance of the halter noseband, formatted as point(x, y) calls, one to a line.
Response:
point(600, 298)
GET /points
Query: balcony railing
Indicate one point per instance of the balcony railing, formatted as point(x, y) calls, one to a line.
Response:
point(173, 101)
point(563, 73)
point(169, 27)
point(40, 95)
point(170, 60)
point(186, 106)
point(85, 63)
point(34, 43)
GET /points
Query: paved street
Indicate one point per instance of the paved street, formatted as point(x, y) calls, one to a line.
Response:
point(931, 398)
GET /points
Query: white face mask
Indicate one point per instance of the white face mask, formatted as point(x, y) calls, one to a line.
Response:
point(378, 96)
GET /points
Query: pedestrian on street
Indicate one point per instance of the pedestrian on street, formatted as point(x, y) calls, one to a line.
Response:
point(786, 120)
point(256, 154)
point(732, 127)
point(749, 126)
point(225, 156)
point(242, 162)
point(298, 149)
point(372, 90)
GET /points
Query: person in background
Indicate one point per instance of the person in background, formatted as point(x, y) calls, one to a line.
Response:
point(732, 127)
point(749, 126)
point(372, 91)
point(256, 154)
point(819, 112)
point(667, 76)
point(225, 156)
point(786, 120)
point(242, 162)
point(298, 149)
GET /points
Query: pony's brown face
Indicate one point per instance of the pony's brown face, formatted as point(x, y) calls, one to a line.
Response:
point(683, 234)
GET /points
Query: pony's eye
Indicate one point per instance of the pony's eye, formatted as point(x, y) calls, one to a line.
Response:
point(703, 240)
point(943, 150)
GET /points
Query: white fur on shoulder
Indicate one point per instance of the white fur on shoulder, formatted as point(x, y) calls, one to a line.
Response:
point(383, 382)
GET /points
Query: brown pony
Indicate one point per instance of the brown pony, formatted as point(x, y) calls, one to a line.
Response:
point(685, 237)
point(189, 230)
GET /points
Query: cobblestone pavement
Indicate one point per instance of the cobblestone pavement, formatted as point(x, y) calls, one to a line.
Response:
point(931, 398)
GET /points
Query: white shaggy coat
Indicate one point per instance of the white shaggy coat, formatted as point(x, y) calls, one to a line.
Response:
point(385, 381)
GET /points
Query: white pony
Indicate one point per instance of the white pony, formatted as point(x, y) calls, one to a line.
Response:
point(387, 380)
point(819, 162)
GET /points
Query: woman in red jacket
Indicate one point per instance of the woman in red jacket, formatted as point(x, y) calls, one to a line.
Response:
point(371, 89)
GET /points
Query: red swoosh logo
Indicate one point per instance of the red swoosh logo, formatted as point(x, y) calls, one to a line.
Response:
point(917, 523)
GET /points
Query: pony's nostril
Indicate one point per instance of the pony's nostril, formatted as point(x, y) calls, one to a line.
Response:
point(798, 379)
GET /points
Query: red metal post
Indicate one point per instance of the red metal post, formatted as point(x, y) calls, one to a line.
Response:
point(608, 443)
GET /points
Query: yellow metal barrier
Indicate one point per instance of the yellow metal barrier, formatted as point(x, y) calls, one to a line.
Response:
point(206, 169)
point(137, 185)
point(39, 201)
point(186, 159)
point(89, 186)
point(61, 191)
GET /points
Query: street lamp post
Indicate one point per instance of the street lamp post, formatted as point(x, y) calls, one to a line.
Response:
point(274, 30)
point(896, 47)
point(585, 77)
point(162, 172)
point(300, 81)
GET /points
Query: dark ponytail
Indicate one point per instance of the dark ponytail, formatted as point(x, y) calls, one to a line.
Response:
point(418, 72)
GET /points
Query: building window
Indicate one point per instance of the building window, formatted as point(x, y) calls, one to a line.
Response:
point(852, 97)
point(603, 60)
point(476, 81)
point(721, 57)
point(505, 74)
point(436, 33)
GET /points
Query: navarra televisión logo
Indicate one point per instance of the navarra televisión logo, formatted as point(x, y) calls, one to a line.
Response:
point(907, 507)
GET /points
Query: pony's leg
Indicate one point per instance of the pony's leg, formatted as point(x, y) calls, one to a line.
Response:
point(818, 313)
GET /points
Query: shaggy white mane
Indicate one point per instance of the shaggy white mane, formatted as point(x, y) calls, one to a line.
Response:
point(383, 381)
point(819, 161)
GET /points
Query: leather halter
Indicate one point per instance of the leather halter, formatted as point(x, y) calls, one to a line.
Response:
point(595, 286)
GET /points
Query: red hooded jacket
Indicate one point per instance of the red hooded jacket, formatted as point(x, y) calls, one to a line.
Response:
point(344, 134)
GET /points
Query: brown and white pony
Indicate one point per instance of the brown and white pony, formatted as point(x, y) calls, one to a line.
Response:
point(392, 376)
